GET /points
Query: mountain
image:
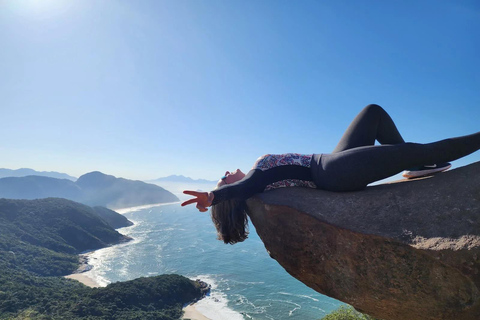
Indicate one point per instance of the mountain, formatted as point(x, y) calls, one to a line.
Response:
point(35, 187)
point(180, 178)
point(23, 172)
point(94, 189)
point(51, 230)
point(106, 190)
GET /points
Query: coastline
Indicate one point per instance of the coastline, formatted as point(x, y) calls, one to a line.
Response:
point(82, 273)
point(191, 313)
point(82, 278)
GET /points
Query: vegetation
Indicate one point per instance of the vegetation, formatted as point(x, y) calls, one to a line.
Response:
point(40, 240)
point(347, 313)
point(44, 236)
point(160, 297)
point(114, 219)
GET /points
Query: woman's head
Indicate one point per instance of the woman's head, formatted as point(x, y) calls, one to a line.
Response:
point(230, 217)
point(231, 177)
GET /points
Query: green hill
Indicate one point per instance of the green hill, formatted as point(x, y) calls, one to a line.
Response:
point(114, 219)
point(23, 296)
point(39, 241)
point(44, 236)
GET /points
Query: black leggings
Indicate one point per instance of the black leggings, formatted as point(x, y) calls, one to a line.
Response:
point(356, 161)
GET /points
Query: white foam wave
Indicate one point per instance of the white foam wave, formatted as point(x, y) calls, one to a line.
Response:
point(215, 305)
point(246, 282)
point(251, 307)
point(298, 296)
point(98, 258)
point(318, 308)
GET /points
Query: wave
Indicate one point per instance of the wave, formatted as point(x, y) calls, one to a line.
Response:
point(215, 305)
point(97, 259)
point(299, 296)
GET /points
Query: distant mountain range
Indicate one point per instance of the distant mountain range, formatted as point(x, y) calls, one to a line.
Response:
point(180, 178)
point(94, 189)
point(23, 172)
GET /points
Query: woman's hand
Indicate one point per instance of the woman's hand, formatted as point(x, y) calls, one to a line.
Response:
point(203, 199)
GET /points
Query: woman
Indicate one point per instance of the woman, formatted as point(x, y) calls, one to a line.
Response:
point(354, 163)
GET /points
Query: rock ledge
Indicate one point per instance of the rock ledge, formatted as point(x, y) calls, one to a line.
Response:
point(405, 250)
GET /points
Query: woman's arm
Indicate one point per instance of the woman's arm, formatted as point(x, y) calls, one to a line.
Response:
point(254, 182)
point(251, 184)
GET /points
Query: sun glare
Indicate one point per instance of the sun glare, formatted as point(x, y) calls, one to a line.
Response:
point(40, 9)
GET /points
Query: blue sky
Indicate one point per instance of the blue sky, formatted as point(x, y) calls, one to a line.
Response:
point(145, 89)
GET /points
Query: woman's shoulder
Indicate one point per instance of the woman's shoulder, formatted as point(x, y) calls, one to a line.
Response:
point(269, 161)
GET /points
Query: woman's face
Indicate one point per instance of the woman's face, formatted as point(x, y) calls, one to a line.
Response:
point(231, 177)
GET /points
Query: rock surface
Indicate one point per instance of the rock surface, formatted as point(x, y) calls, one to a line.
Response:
point(405, 250)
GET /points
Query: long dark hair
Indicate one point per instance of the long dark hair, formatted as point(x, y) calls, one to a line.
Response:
point(231, 220)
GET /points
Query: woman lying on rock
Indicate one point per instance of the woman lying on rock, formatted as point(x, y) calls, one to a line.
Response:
point(354, 163)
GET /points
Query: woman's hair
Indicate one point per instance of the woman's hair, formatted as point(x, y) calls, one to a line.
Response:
point(231, 220)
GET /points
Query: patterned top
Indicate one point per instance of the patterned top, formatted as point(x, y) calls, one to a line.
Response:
point(270, 161)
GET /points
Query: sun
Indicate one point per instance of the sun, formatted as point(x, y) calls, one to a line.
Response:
point(40, 8)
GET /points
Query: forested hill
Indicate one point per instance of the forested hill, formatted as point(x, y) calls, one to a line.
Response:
point(51, 230)
point(39, 242)
point(94, 189)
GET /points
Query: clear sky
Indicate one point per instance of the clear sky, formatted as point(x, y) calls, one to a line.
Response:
point(145, 89)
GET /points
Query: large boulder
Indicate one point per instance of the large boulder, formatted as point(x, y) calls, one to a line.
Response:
point(405, 250)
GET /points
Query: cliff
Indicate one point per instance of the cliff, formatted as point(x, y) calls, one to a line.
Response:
point(406, 250)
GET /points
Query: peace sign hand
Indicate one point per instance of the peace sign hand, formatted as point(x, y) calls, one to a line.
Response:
point(203, 199)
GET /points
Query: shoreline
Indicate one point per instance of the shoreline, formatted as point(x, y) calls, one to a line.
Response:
point(83, 278)
point(81, 274)
point(192, 313)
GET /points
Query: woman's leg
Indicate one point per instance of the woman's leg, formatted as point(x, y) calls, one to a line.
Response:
point(372, 123)
point(353, 169)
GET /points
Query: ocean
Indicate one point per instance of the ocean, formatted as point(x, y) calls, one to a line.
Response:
point(246, 282)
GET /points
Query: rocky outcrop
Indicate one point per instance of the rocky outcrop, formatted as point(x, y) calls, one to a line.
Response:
point(405, 250)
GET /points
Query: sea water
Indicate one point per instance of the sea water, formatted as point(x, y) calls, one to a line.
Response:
point(246, 282)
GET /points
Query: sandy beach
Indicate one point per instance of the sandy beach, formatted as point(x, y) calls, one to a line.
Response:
point(86, 280)
point(193, 314)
